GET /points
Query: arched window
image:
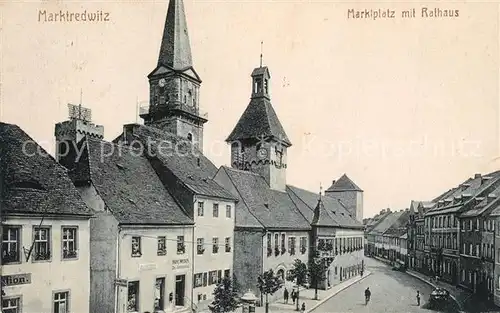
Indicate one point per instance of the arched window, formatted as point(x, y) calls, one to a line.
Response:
point(281, 274)
point(190, 137)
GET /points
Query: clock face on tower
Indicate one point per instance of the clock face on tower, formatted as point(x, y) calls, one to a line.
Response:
point(162, 82)
point(262, 153)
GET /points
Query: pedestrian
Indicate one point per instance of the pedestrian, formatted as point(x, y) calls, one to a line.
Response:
point(418, 298)
point(285, 295)
point(294, 296)
point(303, 309)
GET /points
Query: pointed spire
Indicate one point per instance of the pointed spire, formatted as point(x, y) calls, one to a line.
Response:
point(175, 50)
point(319, 210)
point(261, 49)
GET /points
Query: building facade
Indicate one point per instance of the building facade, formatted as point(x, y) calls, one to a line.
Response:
point(141, 240)
point(495, 217)
point(275, 221)
point(152, 189)
point(214, 236)
point(45, 231)
point(477, 245)
point(459, 235)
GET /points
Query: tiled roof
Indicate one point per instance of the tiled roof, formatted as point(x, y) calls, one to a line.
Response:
point(259, 120)
point(33, 182)
point(344, 183)
point(472, 187)
point(386, 223)
point(489, 202)
point(321, 216)
point(243, 217)
point(185, 161)
point(496, 210)
point(306, 201)
point(377, 219)
point(130, 187)
point(419, 208)
point(273, 209)
point(398, 227)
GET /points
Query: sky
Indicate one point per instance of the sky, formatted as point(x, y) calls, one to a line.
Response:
point(406, 107)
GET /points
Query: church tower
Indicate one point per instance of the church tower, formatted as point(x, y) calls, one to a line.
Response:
point(174, 85)
point(258, 141)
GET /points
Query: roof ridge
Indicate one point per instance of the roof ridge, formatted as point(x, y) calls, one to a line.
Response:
point(312, 209)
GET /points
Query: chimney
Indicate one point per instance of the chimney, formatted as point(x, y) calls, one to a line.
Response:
point(476, 176)
point(464, 187)
point(466, 196)
point(333, 182)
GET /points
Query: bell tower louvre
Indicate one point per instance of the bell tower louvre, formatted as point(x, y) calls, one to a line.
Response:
point(174, 85)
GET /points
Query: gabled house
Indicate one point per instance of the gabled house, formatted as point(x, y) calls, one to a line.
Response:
point(141, 237)
point(477, 255)
point(45, 251)
point(444, 226)
point(158, 208)
point(382, 243)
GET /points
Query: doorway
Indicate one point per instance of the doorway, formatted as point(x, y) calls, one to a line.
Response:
point(180, 286)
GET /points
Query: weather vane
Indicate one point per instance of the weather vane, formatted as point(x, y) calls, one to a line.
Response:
point(261, 49)
point(77, 112)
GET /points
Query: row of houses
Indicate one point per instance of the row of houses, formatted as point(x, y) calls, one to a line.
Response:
point(454, 236)
point(146, 222)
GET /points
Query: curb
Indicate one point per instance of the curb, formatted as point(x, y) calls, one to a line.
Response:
point(336, 292)
point(434, 286)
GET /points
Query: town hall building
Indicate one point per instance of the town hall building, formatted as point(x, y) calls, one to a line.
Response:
point(277, 223)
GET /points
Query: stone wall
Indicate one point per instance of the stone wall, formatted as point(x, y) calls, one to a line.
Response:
point(247, 258)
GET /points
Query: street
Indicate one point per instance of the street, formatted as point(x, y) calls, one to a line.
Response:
point(392, 291)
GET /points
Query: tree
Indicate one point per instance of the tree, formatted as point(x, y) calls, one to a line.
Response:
point(317, 273)
point(268, 284)
point(225, 297)
point(298, 274)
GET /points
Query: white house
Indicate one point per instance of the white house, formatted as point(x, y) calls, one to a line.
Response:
point(45, 231)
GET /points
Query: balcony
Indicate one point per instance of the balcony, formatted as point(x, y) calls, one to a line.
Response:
point(452, 252)
point(145, 108)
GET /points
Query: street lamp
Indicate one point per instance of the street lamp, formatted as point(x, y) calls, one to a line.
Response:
point(249, 300)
